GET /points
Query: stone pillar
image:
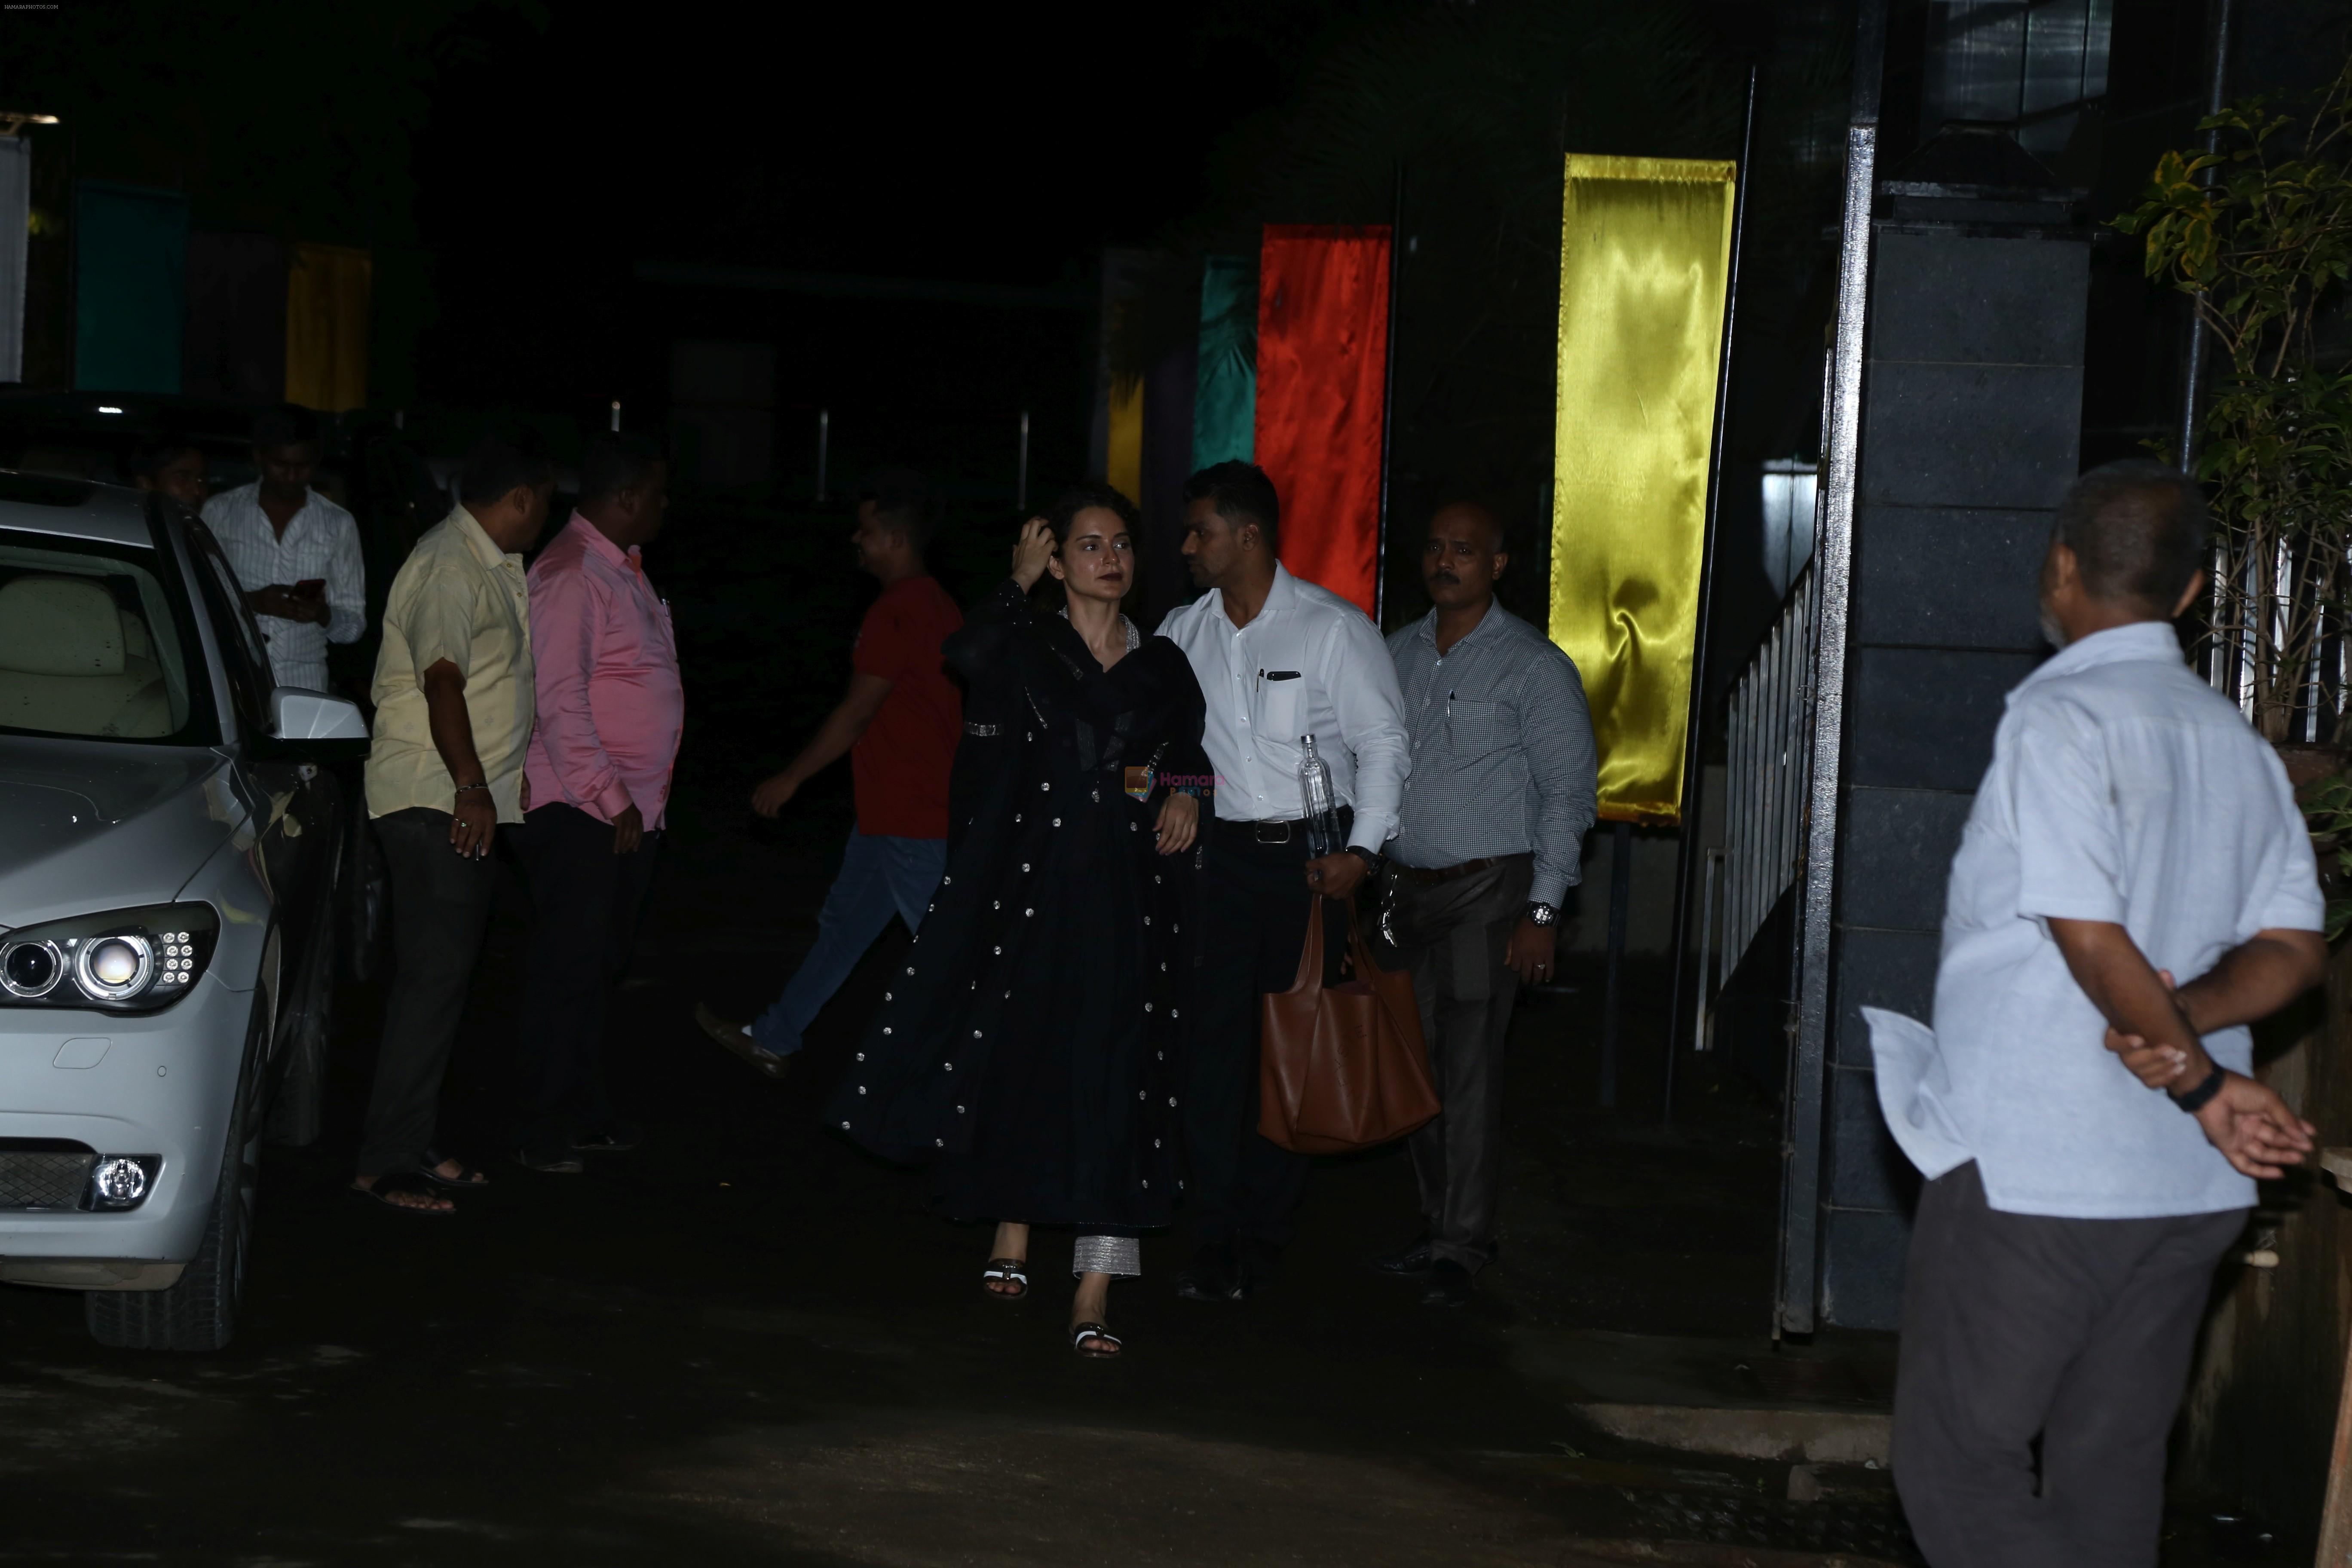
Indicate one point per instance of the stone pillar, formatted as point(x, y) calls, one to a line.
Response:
point(1972, 402)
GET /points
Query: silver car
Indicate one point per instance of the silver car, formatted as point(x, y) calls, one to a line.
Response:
point(172, 838)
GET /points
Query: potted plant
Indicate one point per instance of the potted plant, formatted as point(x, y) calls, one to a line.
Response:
point(2258, 233)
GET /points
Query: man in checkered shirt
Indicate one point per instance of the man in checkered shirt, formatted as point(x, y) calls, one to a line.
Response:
point(1496, 808)
point(296, 552)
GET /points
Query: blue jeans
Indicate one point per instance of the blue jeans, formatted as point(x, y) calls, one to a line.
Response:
point(879, 877)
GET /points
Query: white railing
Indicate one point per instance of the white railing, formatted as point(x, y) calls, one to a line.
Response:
point(2287, 623)
point(1768, 766)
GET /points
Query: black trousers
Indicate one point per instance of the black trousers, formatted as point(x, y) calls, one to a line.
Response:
point(1454, 934)
point(440, 904)
point(586, 902)
point(1252, 910)
point(2074, 1331)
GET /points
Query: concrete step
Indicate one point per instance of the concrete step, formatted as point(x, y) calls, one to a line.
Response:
point(1826, 1403)
point(1709, 1554)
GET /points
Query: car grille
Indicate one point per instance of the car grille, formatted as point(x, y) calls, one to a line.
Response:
point(44, 1180)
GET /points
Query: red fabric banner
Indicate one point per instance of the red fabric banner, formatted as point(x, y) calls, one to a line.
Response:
point(1322, 369)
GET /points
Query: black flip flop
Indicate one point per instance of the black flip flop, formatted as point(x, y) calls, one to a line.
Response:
point(1013, 1271)
point(391, 1182)
point(470, 1178)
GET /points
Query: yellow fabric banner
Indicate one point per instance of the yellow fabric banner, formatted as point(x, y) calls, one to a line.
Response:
point(327, 298)
point(1645, 257)
point(1125, 468)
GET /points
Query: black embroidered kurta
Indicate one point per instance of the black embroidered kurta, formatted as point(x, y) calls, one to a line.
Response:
point(1028, 1047)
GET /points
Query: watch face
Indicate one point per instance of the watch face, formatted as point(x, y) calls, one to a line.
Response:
point(1542, 914)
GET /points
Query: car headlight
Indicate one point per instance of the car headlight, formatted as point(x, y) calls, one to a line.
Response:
point(126, 961)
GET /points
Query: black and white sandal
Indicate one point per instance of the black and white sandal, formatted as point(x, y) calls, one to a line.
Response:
point(1095, 1342)
point(1012, 1270)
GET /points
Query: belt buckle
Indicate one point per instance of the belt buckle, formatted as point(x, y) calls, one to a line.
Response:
point(1273, 832)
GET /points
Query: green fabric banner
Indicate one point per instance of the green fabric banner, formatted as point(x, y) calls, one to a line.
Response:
point(1225, 398)
point(130, 287)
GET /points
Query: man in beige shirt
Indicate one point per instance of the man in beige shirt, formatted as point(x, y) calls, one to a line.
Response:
point(454, 704)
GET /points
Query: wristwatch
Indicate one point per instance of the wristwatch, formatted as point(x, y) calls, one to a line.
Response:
point(1371, 861)
point(1542, 914)
point(2195, 1100)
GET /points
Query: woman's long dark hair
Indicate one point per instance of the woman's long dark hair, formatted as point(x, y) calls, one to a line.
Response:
point(1051, 594)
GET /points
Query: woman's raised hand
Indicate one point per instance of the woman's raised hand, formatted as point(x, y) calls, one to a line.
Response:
point(1031, 552)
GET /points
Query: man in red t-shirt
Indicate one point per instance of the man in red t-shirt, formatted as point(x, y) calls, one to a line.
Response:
point(899, 723)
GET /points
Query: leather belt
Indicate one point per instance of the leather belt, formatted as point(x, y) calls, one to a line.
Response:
point(1262, 831)
point(1430, 875)
point(1277, 832)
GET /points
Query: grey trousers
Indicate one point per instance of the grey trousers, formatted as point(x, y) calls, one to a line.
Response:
point(440, 904)
point(2074, 1331)
point(1453, 936)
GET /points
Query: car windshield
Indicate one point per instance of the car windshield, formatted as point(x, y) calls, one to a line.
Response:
point(94, 641)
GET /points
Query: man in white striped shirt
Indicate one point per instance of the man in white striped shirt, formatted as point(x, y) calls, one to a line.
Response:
point(296, 552)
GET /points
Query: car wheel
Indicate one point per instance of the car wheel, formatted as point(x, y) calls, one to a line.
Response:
point(200, 1313)
point(298, 1074)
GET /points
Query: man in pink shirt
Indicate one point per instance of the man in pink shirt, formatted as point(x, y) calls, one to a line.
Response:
point(610, 714)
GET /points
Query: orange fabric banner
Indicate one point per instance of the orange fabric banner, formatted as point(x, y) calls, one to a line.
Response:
point(1322, 369)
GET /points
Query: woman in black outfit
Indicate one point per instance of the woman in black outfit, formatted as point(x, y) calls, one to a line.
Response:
point(1028, 1047)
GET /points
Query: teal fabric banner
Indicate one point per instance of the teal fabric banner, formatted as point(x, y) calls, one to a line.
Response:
point(130, 287)
point(1225, 398)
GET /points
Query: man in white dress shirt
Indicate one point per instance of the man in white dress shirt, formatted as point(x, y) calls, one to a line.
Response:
point(2132, 830)
point(296, 552)
point(1277, 660)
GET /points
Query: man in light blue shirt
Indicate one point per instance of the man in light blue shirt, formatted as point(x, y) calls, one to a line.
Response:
point(1495, 808)
point(2090, 1138)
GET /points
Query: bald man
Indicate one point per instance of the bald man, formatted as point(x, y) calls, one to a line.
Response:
point(2135, 876)
point(1496, 808)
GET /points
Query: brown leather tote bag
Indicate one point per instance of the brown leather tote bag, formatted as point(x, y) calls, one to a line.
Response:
point(1341, 1067)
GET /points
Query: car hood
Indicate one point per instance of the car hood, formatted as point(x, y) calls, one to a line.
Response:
point(88, 825)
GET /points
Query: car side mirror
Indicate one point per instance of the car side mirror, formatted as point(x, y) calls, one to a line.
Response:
point(312, 727)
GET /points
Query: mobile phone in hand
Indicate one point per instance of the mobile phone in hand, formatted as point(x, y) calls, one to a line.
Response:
point(311, 588)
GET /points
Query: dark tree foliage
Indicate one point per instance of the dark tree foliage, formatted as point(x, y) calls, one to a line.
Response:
point(295, 120)
point(269, 114)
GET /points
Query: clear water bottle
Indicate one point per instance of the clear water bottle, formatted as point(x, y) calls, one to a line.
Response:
point(1322, 804)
